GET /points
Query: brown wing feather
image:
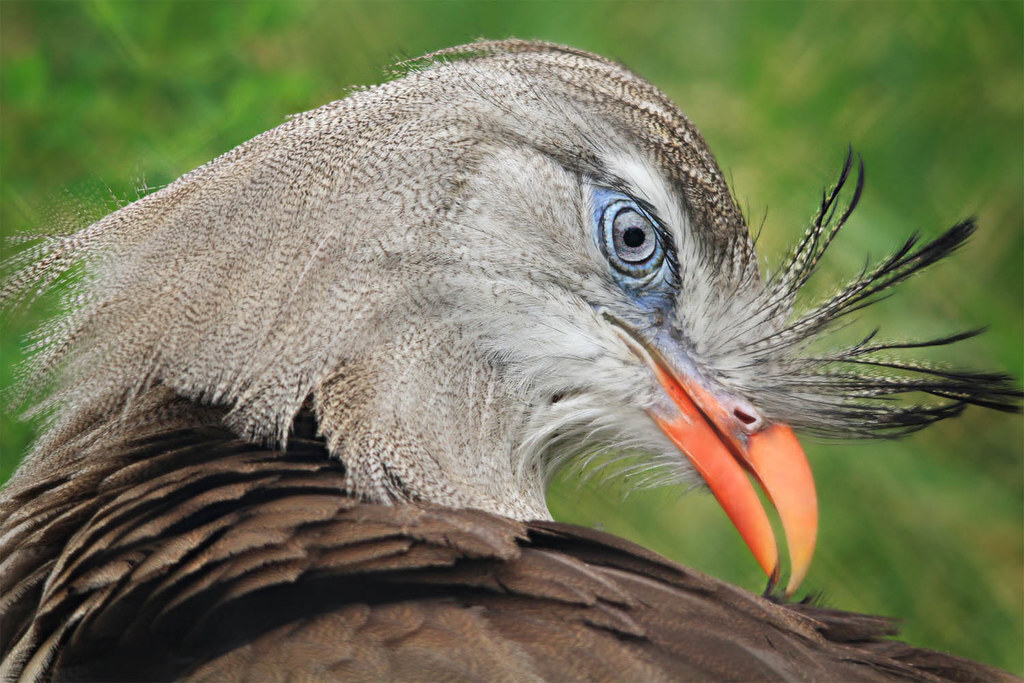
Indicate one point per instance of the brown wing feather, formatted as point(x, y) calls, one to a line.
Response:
point(191, 554)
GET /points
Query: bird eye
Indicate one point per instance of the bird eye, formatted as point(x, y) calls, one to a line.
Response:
point(631, 241)
point(633, 236)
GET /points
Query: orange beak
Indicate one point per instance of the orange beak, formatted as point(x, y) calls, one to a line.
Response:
point(723, 452)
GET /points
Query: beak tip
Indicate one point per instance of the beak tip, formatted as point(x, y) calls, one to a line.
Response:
point(800, 560)
point(795, 579)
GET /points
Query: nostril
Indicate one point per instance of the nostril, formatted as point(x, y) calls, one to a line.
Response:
point(744, 417)
point(749, 417)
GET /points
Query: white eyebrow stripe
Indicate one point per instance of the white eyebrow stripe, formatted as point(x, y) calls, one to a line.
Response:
point(645, 183)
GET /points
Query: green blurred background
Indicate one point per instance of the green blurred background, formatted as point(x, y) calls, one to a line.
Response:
point(101, 98)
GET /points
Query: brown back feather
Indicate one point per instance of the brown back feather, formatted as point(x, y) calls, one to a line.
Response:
point(191, 553)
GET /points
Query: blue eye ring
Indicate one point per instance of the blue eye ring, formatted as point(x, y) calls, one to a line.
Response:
point(631, 241)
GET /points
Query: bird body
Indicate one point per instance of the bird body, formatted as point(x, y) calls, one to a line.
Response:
point(309, 396)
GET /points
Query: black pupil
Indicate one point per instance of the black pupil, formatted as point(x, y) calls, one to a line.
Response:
point(633, 237)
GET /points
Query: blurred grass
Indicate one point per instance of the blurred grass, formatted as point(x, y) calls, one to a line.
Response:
point(100, 99)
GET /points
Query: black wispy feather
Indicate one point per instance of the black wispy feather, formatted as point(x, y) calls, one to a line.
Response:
point(854, 391)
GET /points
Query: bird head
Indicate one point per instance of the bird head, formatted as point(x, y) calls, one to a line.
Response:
point(513, 255)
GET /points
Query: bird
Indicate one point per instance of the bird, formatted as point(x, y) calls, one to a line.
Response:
point(301, 405)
